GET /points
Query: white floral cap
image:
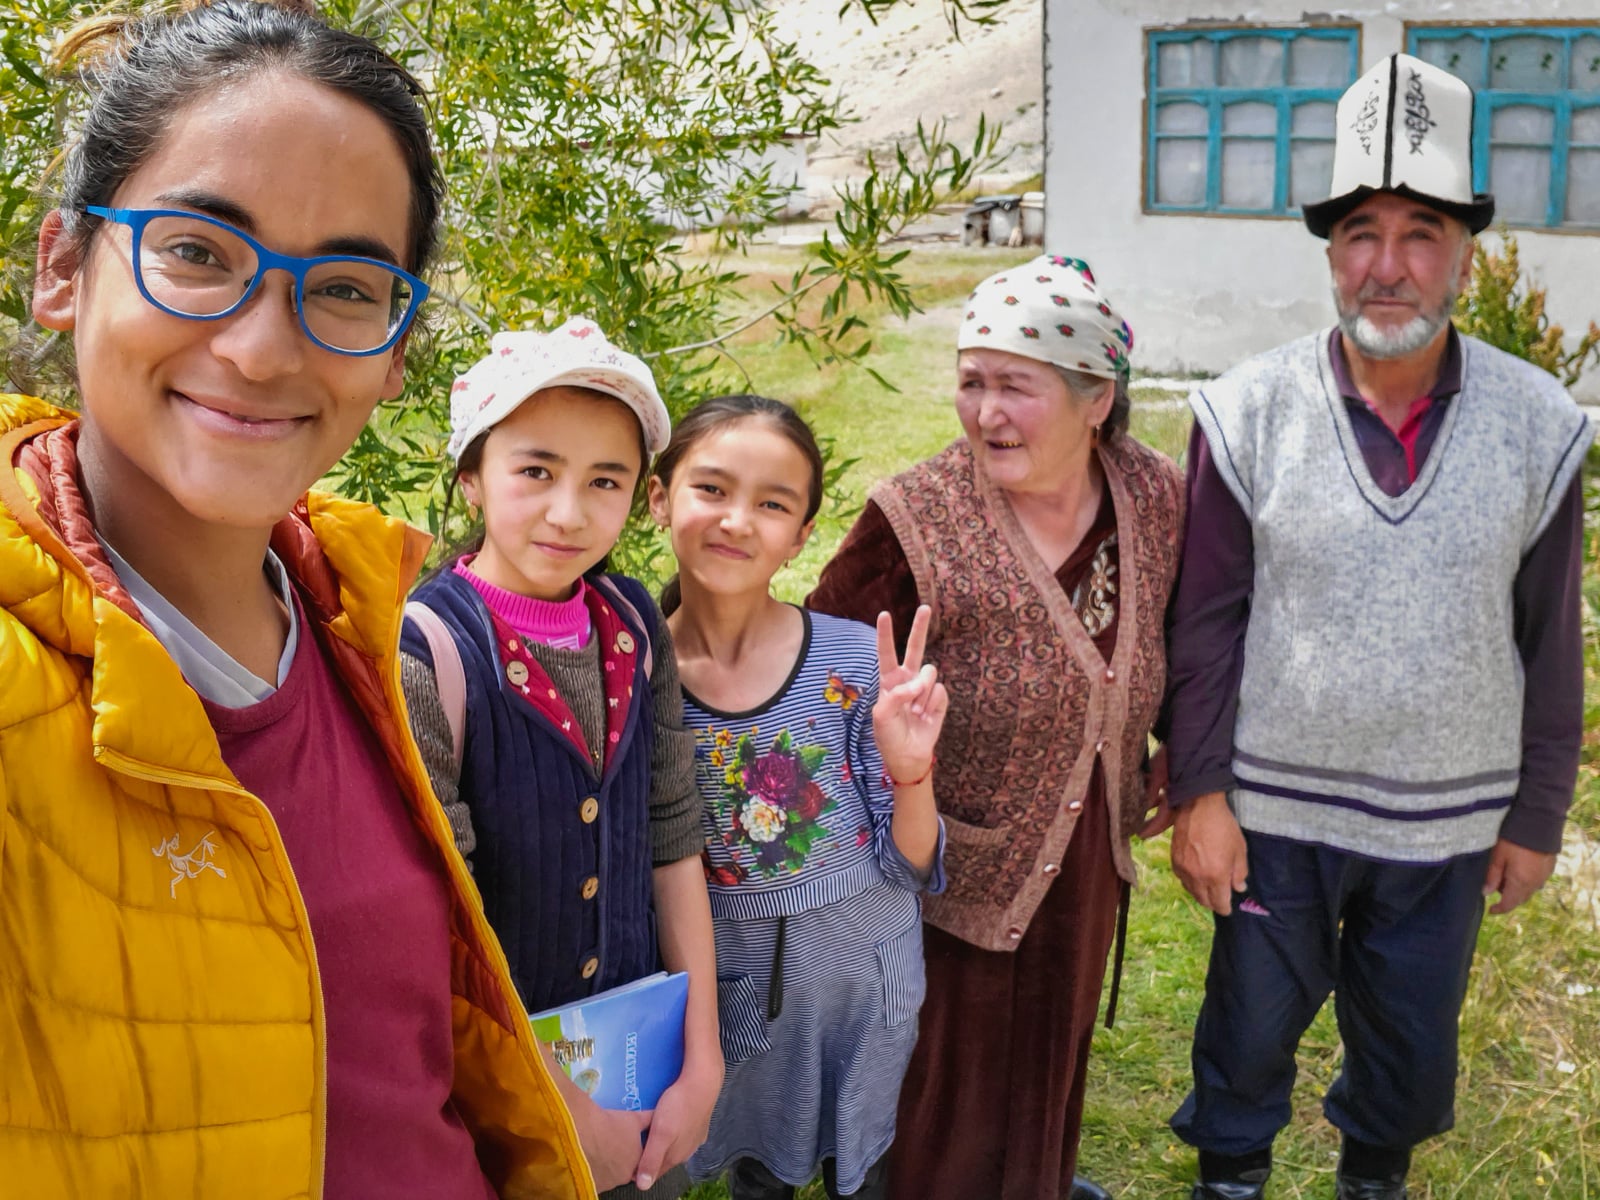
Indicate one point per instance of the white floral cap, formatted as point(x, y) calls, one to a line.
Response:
point(522, 362)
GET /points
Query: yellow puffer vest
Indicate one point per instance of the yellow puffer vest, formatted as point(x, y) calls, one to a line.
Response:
point(160, 1041)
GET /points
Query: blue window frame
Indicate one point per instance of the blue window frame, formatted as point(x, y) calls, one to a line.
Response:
point(1240, 120)
point(1536, 127)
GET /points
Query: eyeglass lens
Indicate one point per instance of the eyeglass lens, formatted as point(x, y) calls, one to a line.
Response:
point(199, 269)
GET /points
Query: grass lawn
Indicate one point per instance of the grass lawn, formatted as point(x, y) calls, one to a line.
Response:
point(1529, 1102)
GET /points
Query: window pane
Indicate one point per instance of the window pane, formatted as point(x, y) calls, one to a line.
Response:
point(1319, 62)
point(1583, 188)
point(1252, 62)
point(1182, 118)
point(1313, 120)
point(1181, 172)
point(1520, 181)
point(1463, 57)
point(1248, 172)
point(1525, 64)
point(1586, 64)
point(1310, 172)
point(1586, 126)
point(1523, 123)
point(1250, 118)
point(1185, 64)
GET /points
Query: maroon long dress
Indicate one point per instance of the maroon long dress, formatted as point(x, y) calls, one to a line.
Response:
point(992, 1104)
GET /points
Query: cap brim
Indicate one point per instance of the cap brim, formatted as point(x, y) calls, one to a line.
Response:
point(646, 404)
point(1321, 217)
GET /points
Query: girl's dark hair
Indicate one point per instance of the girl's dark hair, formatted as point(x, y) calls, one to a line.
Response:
point(137, 71)
point(714, 415)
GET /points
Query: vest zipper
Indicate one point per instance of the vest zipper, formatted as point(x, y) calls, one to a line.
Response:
point(319, 1027)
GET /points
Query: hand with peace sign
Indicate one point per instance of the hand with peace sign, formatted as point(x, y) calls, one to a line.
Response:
point(906, 722)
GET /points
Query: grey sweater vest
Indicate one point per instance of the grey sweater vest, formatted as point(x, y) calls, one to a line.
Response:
point(1380, 706)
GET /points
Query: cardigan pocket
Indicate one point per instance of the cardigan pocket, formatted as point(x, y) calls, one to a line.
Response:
point(904, 982)
point(976, 835)
point(741, 1019)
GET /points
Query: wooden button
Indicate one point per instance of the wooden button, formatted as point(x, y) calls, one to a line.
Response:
point(1052, 869)
point(517, 673)
point(591, 886)
point(1075, 806)
point(590, 966)
point(589, 810)
point(624, 642)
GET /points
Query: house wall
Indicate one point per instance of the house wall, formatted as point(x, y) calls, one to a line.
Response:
point(1203, 292)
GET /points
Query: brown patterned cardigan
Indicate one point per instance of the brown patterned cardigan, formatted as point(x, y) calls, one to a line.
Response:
point(1033, 703)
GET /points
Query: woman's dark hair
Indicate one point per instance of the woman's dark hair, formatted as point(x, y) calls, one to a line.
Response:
point(713, 415)
point(138, 71)
point(716, 414)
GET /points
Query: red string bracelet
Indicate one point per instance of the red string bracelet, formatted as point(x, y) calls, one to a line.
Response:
point(932, 763)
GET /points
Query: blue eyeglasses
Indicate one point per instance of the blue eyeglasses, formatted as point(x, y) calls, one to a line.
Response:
point(195, 266)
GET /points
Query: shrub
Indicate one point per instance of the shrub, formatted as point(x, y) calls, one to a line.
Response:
point(1506, 310)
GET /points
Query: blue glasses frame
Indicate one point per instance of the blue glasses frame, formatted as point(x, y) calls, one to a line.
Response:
point(267, 260)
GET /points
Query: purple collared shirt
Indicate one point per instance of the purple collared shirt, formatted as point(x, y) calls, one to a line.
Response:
point(1211, 609)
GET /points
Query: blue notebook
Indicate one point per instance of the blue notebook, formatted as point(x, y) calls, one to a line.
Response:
point(624, 1046)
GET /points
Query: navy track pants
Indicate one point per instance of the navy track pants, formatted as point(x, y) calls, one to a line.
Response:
point(1392, 941)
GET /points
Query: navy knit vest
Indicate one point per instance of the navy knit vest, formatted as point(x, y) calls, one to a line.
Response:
point(525, 785)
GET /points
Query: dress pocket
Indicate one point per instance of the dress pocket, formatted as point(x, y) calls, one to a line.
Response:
point(741, 1019)
point(904, 981)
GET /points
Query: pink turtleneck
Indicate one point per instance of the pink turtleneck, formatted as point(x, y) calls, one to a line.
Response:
point(563, 624)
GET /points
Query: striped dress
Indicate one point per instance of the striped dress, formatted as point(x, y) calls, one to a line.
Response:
point(805, 878)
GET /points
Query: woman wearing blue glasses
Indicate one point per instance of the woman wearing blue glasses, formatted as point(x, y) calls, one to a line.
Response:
point(239, 955)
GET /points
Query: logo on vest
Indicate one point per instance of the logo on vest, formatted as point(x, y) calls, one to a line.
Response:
point(1418, 119)
point(188, 866)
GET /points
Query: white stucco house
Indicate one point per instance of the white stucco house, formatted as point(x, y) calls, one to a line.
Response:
point(1181, 137)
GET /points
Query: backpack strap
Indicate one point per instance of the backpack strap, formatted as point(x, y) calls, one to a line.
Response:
point(447, 671)
point(627, 607)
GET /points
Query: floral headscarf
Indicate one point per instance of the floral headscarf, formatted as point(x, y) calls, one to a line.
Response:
point(1048, 309)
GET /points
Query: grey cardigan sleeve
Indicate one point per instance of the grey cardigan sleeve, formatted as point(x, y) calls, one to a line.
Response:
point(431, 728)
point(676, 831)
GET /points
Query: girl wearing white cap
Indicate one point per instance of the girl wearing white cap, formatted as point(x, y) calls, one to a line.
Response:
point(544, 694)
point(1045, 542)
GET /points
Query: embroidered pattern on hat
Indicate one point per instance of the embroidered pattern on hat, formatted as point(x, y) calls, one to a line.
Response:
point(1418, 120)
point(1367, 121)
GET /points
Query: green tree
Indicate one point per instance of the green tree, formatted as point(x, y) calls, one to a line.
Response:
point(574, 134)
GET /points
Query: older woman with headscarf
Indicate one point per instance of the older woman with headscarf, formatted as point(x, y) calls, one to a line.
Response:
point(1046, 542)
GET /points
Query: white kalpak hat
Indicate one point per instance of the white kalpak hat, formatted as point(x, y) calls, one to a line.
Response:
point(1404, 127)
point(522, 362)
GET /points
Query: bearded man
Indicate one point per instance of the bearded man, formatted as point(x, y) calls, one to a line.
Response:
point(1376, 693)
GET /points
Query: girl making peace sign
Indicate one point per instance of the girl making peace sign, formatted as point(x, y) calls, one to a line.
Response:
point(814, 754)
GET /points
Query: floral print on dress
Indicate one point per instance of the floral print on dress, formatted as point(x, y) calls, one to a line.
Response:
point(1093, 598)
point(769, 808)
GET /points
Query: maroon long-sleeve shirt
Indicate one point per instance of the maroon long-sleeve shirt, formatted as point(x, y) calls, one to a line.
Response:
point(1211, 609)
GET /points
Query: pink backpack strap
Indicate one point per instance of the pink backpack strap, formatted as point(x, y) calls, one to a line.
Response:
point(625, 606)
point(447, 671)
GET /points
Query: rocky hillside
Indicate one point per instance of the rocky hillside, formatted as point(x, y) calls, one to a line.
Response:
point(911, 65)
